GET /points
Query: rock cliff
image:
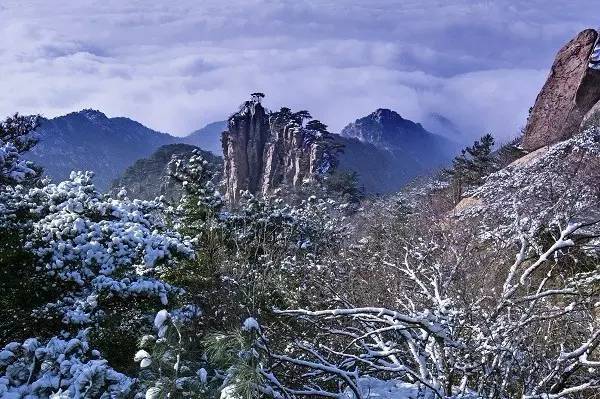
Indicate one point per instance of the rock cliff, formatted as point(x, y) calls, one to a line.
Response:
point(571, 90)
point(266, 150)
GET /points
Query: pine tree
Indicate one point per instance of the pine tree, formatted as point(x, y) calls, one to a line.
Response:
point(472, 165)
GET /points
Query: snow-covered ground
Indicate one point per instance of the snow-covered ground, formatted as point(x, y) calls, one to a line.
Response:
point(373, 388)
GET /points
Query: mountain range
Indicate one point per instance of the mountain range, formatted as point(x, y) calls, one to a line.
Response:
point(388, 130)
point(89, 140)
point(385, 149)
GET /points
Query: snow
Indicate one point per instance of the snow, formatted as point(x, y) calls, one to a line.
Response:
point(374, 388)
point(203, 375)
point(229, 393)
point(107, 247)
point(12, 167)
point(522, 198)
point(594, 61)
point(66, 372)
point(140, 355)
point(250, 324)
point(160, 318)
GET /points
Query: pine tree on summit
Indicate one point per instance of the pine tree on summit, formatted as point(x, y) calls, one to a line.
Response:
point(472, 165)
point(257, 97)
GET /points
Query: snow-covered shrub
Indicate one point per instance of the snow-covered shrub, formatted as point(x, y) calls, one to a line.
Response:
point(18, 285)
point(73, 257)
point(59, 368)
point(16, 137)
point(261, 254)
point(96, 248)
point(536, 335)
point(474, 303)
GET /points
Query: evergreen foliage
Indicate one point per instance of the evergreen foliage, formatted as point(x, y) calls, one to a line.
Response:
point(472, 165)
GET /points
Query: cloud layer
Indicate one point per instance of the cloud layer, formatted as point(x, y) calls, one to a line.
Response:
point(176, 66)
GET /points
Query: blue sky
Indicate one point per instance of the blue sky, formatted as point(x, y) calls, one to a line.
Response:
point(177, 65)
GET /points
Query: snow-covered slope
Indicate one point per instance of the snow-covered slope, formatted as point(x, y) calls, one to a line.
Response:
point(544, 187)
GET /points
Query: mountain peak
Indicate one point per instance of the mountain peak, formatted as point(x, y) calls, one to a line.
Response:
point(90, 114)
point(383, 127)
point(387, 130)
point(385, 114)
point(89, 140)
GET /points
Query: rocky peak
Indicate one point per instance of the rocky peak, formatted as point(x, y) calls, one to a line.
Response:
point(243, 148)
point(570, 92)
point(266, 150)
point(385, 116)
point(383, 128)
point(387, 130)
point(93, 115)
point(89, 140)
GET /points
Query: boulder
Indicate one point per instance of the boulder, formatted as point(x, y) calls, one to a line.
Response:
point(571, 90)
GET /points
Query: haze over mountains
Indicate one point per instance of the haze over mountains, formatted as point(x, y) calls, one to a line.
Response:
point(384, 149)
point(386, 129)
point(208, 138)
point(387, 151)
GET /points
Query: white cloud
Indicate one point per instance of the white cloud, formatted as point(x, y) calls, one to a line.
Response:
point(175, 66)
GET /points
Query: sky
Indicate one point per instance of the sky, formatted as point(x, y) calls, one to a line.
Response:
point(177, 65)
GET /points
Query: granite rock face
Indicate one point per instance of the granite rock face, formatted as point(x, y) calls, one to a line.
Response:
point(571, 90)
point(243, 146)
point(263, 151)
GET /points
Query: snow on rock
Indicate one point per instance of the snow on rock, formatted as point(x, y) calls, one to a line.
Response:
point(553, 188)
point(160, 318)
point(250, 324)
point(594, 61)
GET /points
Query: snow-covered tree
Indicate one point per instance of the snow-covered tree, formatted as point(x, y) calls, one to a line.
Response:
point(81, 261)
point(16, 137)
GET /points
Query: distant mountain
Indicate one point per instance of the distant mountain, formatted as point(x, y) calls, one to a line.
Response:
point(148, 178)
point(208, 138)
point(439, 124)
point(379, 171)
point(89, 140)
point(386, 129)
